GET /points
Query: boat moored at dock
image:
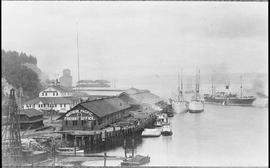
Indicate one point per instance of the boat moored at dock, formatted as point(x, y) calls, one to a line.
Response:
point(196, 104)
point(166, 130)
point(151, 132)
point(180, 105)
point(69, 151)
point(136, 161)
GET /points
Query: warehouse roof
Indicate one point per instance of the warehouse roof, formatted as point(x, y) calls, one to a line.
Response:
point(31, 112)
point(102, 107)
point(136, 96)
point(48, 100)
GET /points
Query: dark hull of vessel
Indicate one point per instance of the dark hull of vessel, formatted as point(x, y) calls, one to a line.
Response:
point(195, 111)
point(230, 101)
point(166, 133)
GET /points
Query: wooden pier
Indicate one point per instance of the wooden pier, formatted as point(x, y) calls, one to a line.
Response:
point(106, 138)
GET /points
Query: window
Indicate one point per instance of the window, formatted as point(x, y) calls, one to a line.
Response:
point(42, 94)
point(45, 93)
point(64, 105)
point(66, 122)
point(56, 93)
point(83, 122)
point(60, 105)
point(39, 105)
point(74, 123)
point(53, 93)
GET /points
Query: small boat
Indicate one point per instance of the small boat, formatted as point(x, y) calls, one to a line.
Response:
point(136, 161)
point(166, 130)
point(151, 132)
point(69, 151)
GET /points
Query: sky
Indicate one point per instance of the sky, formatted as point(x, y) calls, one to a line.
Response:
point(131, 39)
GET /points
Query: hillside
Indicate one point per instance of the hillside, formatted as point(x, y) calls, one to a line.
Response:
point(18, 75)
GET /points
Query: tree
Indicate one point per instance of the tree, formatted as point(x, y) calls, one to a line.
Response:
point(18, 75)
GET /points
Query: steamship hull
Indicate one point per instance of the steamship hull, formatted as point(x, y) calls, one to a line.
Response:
point(230, 101)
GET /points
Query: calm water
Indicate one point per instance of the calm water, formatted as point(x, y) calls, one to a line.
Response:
point(220, 136)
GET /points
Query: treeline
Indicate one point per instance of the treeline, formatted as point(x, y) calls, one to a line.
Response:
point(18, 75)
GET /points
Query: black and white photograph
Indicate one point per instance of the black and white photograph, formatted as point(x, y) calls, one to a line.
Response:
point(134, 83)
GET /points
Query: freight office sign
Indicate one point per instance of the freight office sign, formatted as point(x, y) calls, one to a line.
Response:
point(79, 115)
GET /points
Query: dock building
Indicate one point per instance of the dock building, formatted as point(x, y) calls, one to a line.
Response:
point(31, 119)
point(94, 114)
point(145, 98)
point(97, 88)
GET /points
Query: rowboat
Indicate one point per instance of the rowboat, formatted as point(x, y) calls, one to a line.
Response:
point(69, 151)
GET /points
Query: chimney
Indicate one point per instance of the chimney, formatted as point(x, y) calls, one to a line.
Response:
point(56, 83)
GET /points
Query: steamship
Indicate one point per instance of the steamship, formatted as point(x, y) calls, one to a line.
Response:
point(228, 98)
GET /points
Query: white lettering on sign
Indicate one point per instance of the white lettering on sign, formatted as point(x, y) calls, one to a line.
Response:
point(79, 115)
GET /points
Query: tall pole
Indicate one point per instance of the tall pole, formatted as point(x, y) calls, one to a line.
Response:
point(178, 88)
point(199, 81)
point(241, 86)
point(181, 81)
point(105, 155)
point(78, 59)
point(212, 85)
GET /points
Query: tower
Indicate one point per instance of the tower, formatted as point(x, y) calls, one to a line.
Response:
point(11, 139)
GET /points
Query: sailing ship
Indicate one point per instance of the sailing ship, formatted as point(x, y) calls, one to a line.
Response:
point(228, 98)
point(180, 105)
point(196, 104)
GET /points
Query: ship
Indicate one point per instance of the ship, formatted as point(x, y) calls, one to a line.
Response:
point(166, 130)
point(228, 98)
point(196, 105)
point(180, 105)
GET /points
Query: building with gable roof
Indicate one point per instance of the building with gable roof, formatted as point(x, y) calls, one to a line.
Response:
point(94, 114)
point(31, 119)
point(55, 98)
point(56, 90)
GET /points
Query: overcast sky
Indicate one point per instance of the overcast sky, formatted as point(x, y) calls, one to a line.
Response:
point(120, 39)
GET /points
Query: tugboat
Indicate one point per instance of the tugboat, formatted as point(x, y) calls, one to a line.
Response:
point(196, 104)
point(180, 105)
point(166, 130)
point(227, 98)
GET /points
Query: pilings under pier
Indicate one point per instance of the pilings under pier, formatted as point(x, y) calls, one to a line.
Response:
point(99, 140)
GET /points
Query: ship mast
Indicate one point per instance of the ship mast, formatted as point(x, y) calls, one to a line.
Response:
point(212, 85)
point(241, 87)
point(197, 82)
point(178, 88)
point(181, 91)
point(78, 59)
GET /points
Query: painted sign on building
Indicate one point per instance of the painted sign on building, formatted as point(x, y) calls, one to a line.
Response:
point(79, 115)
